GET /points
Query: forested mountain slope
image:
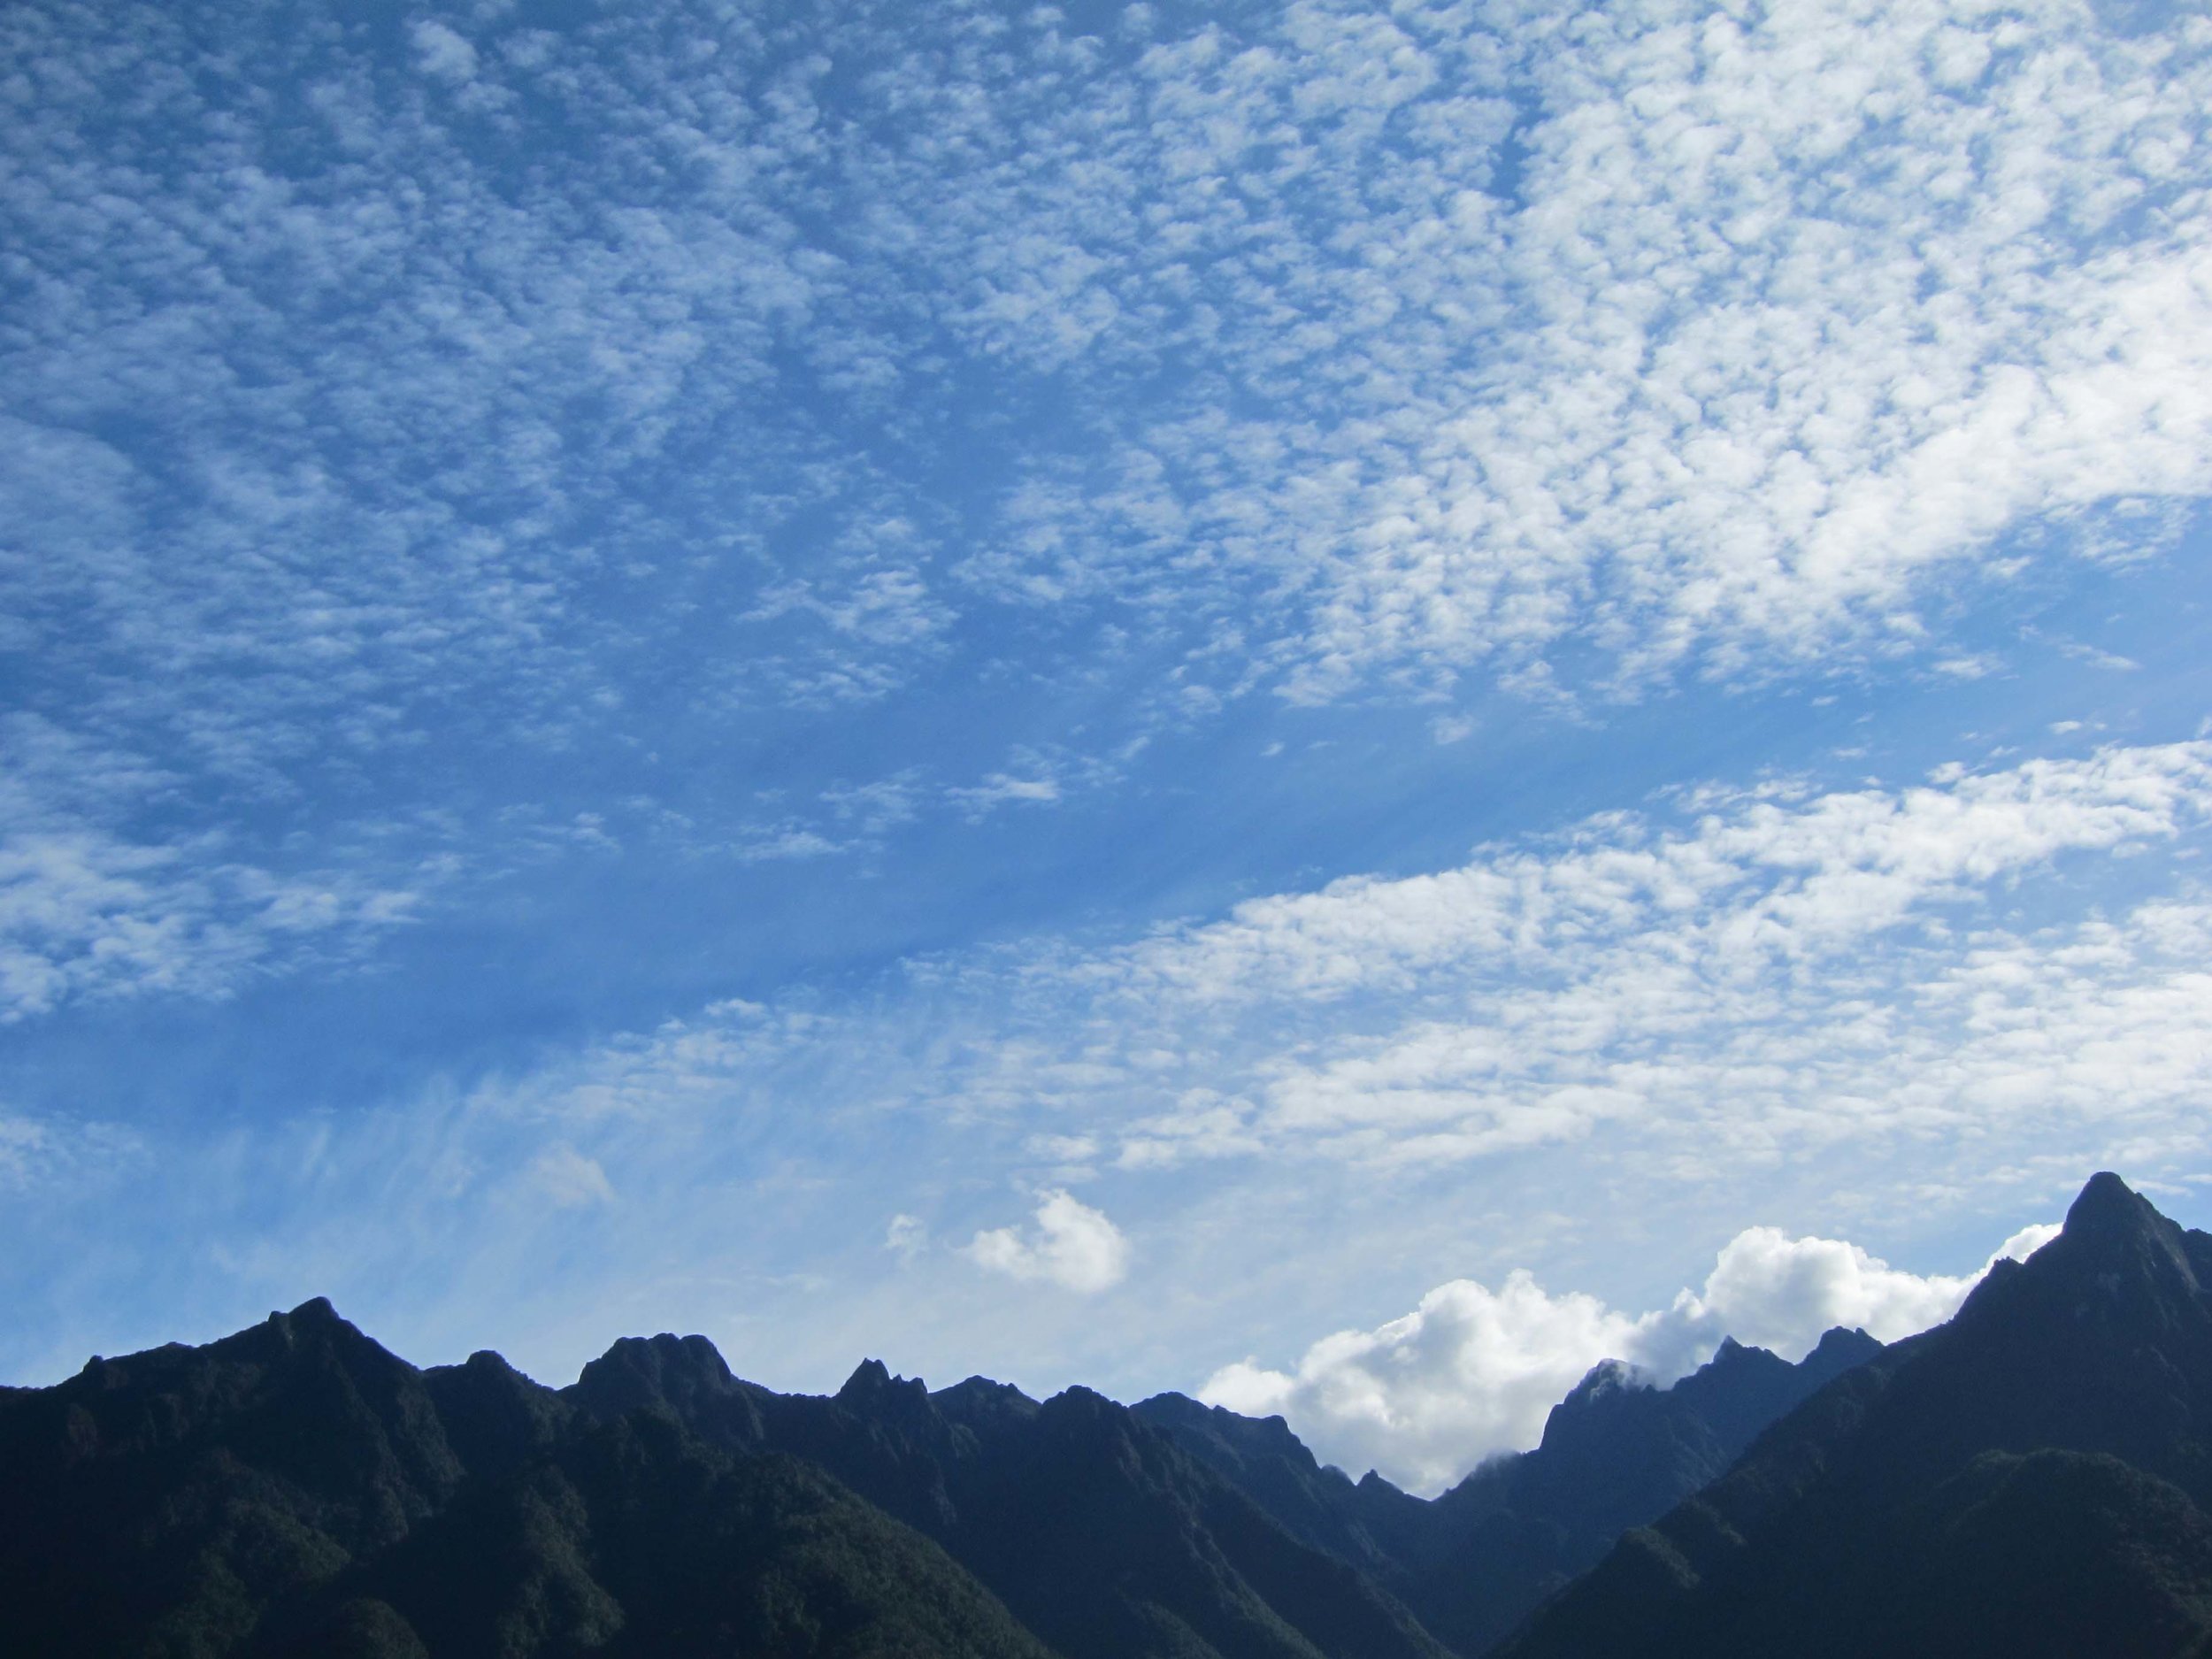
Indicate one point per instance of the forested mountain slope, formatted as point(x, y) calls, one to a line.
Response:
point(2031, 1478)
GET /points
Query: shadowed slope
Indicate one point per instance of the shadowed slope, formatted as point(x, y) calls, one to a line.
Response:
point(1094, 1528)
point(1617, 1453)
point(2031, 1478)
point(296, 1489)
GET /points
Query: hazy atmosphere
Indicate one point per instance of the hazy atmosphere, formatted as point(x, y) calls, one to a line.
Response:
point(1340, 706)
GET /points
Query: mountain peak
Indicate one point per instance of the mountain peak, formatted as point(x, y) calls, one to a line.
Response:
point(2116, 1255)
point(1847, 1340)
point(2108, 1207)
point(314, 1326)
point(1607, 1377)
point(676, 1371)
point(975, 1399)
point(871, 1376)
point(1839, 1350)
point(871, 1381)
point(685, 1356)
point(2114, 1237)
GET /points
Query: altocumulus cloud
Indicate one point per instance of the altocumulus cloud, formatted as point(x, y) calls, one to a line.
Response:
point(1071, 1245)
point(1700, 997)
point(1473, 1371)
point(649, 382)
point(1691, 999)
point(1822, 963)
point(1671, 339)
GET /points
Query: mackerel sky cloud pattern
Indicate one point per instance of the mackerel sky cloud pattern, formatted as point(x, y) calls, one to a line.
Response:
point(633, 633)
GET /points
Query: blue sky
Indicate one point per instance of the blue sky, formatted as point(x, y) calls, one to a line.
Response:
point(1342, 703)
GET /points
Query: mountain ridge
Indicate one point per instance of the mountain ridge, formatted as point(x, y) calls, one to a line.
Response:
point(293, 1488)
point(350, 1480)
point(2030, 1479)
point(1617, 1452)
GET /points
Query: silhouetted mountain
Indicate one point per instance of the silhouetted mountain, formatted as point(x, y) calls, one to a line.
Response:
point(1099, 1534)
point(1617, 1453)
point(1369, 1523)
point(2031, 1478)
point(296, 1489)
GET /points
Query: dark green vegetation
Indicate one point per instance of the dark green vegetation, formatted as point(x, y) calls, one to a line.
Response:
point(295, 1489)
point(2029, 1479)
point(1473, 1562)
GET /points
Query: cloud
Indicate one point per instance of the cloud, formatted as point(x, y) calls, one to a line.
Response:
point(1473, 1371)
point(1203, 1125)
point(40, 1154)
point(1577, 356)
point(1034, 776)
point(906, 1237)
point(1733, 980)
point(1774, 963)
point(88, 910)
point(1000, 788)
point(569, 1180)
point(1753, 880)
point(442, 52)
point(1665, 338)
point(1775, 1292)
point(1426, 1396)
point(1071, 1245)
point(1756, 361)
point(786, 841)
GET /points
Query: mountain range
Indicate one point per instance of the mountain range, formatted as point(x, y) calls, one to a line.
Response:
point(2032, 1479)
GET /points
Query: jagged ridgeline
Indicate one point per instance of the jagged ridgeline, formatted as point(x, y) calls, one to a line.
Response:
point(2030, 1479)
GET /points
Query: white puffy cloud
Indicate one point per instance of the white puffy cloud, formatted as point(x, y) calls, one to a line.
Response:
point(1070, 1245)
point(1772, 1290)
point(1424, 1398)
point(1474, 1372)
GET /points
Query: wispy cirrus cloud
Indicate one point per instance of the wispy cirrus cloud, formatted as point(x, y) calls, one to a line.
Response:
point(43, 1156)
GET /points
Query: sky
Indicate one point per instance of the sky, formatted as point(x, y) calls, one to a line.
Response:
point(1340, 705)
